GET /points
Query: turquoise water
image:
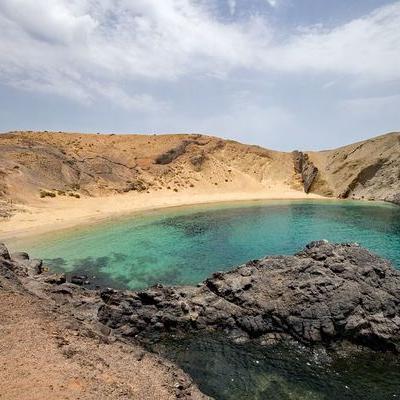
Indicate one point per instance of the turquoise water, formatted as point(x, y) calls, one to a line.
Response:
point(186, 246)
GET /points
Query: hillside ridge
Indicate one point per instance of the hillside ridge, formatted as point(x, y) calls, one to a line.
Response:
point(38, 167)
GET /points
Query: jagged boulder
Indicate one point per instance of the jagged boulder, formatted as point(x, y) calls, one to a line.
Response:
point(325, 294)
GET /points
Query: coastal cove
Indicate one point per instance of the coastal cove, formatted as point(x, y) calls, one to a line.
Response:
point(185, 245)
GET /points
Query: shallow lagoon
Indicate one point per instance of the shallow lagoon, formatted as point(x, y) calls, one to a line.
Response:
point(184, 246)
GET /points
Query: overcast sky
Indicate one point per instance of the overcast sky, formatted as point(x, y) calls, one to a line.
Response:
point(284, 74)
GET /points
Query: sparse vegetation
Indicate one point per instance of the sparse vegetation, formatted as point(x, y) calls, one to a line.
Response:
point(46, 193)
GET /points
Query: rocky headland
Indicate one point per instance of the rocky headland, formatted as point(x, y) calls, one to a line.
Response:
point(327, 294)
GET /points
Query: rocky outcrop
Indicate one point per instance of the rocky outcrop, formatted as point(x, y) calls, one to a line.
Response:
point(305, 168)
point(60, 319)
point(326, 294)
point(172, 154)
point(198, 160)
point(395, 199)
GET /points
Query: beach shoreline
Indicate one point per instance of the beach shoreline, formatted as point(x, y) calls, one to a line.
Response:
point(55, 215)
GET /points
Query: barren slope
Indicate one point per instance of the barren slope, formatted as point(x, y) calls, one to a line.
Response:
point(94, 165)
point(49, 170)
point(368, 169)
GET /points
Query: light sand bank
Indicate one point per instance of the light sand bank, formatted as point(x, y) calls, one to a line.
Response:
point(59, 213)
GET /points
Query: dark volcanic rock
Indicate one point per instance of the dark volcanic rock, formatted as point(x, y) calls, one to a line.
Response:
point(305, 168)
point(4, 252)
point(55, 279)
point(80, 280)
point(325, 294)
point(394, 199)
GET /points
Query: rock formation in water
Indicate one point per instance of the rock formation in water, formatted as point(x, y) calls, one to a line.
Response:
point(326, 294)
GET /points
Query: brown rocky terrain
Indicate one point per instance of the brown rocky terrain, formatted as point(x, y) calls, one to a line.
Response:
point(53, 347)
point(36, 167)
point(62, 341)
point(366, 170)
point(58, 164)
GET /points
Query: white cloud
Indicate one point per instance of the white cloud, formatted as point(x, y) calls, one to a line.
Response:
point(74, 47)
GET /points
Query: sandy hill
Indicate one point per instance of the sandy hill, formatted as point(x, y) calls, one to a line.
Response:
point(35, 163)
point(369, 169)
point(48, 169)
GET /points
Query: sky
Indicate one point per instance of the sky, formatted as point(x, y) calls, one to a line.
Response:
point(283, 74)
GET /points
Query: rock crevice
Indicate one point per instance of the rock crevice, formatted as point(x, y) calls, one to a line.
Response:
point(305, 168)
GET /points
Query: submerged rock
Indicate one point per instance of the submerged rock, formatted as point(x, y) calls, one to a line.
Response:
point(326, 294)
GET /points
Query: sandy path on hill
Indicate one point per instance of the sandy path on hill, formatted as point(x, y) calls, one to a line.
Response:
point(59, 213)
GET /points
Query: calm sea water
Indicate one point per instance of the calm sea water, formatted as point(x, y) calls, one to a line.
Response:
point(228, 371)
point(186, 246)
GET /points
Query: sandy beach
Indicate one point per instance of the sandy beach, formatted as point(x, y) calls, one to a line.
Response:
point(49, 215)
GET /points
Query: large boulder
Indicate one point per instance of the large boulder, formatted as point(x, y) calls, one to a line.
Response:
point(327, 293)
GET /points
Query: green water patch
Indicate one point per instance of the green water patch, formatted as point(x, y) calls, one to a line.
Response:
point(228, 371)
point(185, 246)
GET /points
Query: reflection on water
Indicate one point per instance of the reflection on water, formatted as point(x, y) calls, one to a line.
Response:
point(229, 371)
point(187, 246)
